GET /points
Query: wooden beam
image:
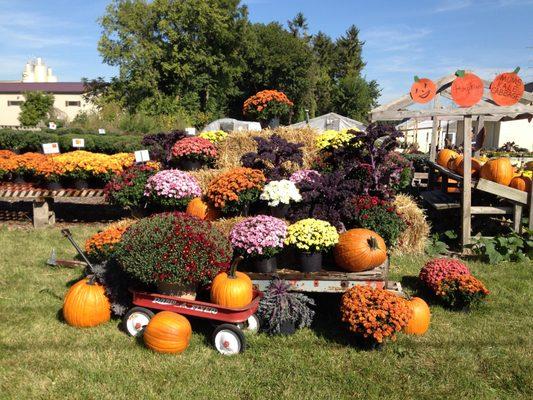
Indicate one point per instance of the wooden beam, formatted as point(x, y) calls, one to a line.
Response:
point(488, 210)
point(434, 132)
point(466, 212)
point(509, 193)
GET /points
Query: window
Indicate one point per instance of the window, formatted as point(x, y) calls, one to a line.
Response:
point(73, 103)
point(11, 103)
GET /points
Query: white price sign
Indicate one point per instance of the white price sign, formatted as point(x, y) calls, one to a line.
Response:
point(50, 148)
point(142, 156)
point(78, 143)
point(190, 131)
point(101, 131)
point(52, 125)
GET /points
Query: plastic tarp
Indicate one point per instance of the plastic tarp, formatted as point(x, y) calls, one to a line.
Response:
point(230, 125)
point(331, 121)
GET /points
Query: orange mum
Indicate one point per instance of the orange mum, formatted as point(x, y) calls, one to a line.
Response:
point(229, 186)
point(260, 100)
point(100, 246)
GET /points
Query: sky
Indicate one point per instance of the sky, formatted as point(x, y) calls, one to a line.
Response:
point(404, 38)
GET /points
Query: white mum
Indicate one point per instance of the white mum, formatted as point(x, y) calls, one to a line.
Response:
point(280, 192)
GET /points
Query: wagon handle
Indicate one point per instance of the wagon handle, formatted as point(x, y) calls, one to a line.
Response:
point(68, 235)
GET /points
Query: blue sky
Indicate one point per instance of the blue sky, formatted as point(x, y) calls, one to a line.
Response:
point(403, 38)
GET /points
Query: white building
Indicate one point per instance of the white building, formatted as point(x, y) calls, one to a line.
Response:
point(37, 76)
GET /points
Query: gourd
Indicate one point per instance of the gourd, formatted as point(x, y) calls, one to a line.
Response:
point(86, 304)
point(233, 289)
point(499, 170)
point(168, 332)
point(360, 250)
point(420, 317)
point(201, 209)
point(467, 89)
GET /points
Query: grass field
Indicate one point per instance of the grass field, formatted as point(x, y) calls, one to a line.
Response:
point(485, 354)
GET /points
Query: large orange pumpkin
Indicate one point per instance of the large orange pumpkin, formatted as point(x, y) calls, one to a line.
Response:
point(423, 90)
point(521, 182)
point(499, 170)
point(233, 289)
point(360, 250)
point(467, 89)
point(202, 209)
point(507, 88)
point(444, 157)
point(458, 166)
point(168, 332)
point(420, 317)
point(86, 304)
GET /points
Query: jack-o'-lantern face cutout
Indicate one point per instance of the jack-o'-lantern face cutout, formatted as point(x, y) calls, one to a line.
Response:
point(507, 88)
point(423, 90)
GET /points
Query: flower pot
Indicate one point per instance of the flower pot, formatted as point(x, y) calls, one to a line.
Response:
point(187, 164)
point(54, 186)
point(287, 328)
point(280, 211)
point(264, 265)
point(186, 291)
point(309, 262)
point(81, 184)
point(273, 123)
point(19, 179)
point(139, 212)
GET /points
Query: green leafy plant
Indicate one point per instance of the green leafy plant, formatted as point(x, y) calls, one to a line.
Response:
point(512, 246)
point(36, 107)
point(437, 245)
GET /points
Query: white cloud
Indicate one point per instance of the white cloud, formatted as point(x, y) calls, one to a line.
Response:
point(394, 39)
point(453, 5)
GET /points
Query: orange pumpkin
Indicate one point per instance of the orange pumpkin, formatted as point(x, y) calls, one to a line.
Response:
point(458, 166)
point(467, 89)
point(451, 187)
point(522, 183)
point(499, 170)
point(507, 88)
point(168, 332)
point(86, 304)
point(423, 90)
point(202, 209)
point(233, 289)
point(360, 250)
point(444, 157)
point(420, 317)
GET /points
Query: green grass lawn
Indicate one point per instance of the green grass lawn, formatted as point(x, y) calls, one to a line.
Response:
point(485, 354)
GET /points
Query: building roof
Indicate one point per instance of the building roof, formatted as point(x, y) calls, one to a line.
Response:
point(49, 87)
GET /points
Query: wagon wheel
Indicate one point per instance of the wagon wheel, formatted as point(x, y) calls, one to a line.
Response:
point(228, 339)
point(252, 324)
point(136, 320)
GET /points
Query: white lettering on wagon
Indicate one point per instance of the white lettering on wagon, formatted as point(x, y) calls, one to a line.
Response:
point(192, 307)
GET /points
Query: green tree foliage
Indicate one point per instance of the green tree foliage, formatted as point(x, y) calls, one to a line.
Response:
point(204, 58)
point(36, 108)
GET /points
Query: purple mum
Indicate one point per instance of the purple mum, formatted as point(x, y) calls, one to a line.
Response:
point(260, 236)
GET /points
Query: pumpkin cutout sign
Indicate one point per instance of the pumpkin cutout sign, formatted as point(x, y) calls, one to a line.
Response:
point(507, 88)
point(467, 89)
point(423, 90)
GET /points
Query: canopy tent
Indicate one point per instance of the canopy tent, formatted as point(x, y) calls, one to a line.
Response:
point(231, 124)
point(332, 121)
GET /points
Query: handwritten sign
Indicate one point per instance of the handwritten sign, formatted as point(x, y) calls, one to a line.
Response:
point(101, 131)
point(50, 148)
point(507, 88)
point(467, 89)
point(78, 143)
point(52, 125)
point(142, 156)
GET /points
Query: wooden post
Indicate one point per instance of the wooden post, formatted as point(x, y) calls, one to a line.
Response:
point(517, 218)
point(42, 214)
point(479, 126)
point(466, 212)
point(531, 208)
point(434, 132)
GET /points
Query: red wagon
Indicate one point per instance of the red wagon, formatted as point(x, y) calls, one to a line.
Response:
point(228, 337)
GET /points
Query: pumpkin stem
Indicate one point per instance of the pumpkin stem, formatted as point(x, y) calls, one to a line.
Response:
point(92, 279)
point(460, 73)
point(516, 70)
point(373, 243)
point(233, 268)
point(417, 78)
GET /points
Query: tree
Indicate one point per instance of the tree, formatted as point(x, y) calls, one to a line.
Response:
point(298, 26)
point(355, 97)
point(349, 53)
point(36, 107)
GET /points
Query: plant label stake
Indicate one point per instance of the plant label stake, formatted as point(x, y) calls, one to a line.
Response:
point(142, 156)
point(50, 148)
point(78, 143)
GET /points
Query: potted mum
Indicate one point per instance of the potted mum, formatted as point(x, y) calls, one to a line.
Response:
point(267, 105)
point(214, 136)
point(279, 195)
point(100, 246)
point(175, 252)
point(310, 238)
point(172, 189)
point(258, 239)
point(234, 191)
point(191, 153)
point(373, 314)
point(461, 292)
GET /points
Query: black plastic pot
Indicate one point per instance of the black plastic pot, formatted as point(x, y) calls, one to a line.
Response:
point(309, 262)
point(280, 211)
point(54, 186)
point(19, 179)
point(287, 328)
point(186, 164)
point(81, 184)
point(264, 265)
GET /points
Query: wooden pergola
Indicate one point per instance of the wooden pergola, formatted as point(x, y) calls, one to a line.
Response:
point(484, 110)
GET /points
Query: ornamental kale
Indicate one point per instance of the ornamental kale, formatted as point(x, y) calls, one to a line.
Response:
point(275, 156)
point(160, 145)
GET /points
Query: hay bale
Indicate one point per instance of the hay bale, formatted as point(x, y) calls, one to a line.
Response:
point(238, 144)
point(225, 225)
point(414, 239)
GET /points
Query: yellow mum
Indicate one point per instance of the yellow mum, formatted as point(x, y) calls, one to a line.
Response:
point(311, 235)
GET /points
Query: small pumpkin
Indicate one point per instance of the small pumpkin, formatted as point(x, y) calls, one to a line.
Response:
point(233, 289)
point(507, 88)
point(202, 209)
point(499, 170)
point(521, 182)
point(420, 317)
point(423, 90)
point(467, 89)
point(444, 157)
point(86, 304)
point(168, 332)
point(458, 166)
point(360, 250)
point(452, 185)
